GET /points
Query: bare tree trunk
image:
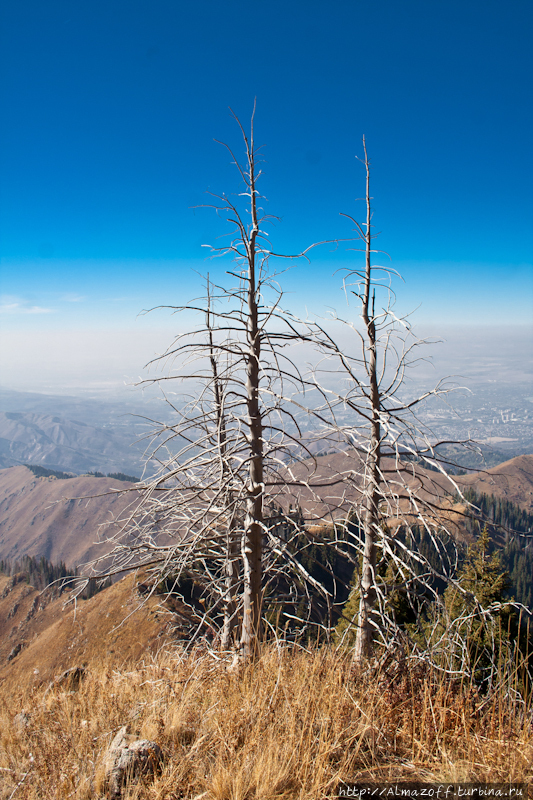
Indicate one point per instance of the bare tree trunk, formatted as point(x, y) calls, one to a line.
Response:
point(227, 639)
point(367, 604)
point(253, 524)
point(231, 568)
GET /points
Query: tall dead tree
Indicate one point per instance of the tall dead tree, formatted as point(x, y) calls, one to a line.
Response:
point(253, 524)
point(251, 257)
point(222, 462)
point(371, 495)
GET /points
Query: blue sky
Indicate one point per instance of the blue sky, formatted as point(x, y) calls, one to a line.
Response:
point(109, 116)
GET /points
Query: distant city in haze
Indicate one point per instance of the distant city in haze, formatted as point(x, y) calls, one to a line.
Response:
point(107, 425)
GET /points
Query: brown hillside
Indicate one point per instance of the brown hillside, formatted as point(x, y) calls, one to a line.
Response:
point(57, 519)
point(333, 484)
point(60, 519)
point(115, 626)
point(512, 480)
point(335, 490)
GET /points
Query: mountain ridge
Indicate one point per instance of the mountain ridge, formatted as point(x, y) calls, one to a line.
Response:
point(58, 443)
point(62, 519)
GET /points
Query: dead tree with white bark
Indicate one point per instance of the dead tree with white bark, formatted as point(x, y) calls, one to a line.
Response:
point(215, 513)
point(233, 465)
point(400, 483)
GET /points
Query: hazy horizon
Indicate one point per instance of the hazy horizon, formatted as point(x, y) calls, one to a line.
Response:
point(109, 362)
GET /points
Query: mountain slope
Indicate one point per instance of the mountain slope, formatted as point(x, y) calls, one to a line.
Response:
point(57, 519)
point(40, 638)
point(335, 477)
point(512, 480)
point(60, 519)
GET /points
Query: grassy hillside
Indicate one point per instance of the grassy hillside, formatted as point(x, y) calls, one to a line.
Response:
point(58, 519)
point(290, 726)
point(40, 637)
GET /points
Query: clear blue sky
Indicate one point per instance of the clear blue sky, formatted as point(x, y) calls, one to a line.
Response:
point(109, 114)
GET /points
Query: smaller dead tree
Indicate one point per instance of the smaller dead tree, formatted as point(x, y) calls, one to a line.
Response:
point(232, 543)
point(399, 479)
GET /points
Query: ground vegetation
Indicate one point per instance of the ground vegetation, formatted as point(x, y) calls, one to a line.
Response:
point(294, 724)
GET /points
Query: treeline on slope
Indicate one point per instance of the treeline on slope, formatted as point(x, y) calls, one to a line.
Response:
point(443, 553)
point(305, 612)
point(511, 527)
point(510, 536)
point(494, 571)
point(476, 627)
point(44, 472)
point(469, 625)
point(42, 574)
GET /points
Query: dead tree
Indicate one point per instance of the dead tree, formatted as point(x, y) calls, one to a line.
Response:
point(236, 447)
point(399, 480)
point(232, 545)
point(224, 458)
point(371, 496)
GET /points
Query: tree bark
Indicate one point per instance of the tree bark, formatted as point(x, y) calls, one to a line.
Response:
point(231, 566)
point(253, 523)
point(367, 604)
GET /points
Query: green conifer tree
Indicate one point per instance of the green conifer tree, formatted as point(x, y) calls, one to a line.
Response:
point(474, 623)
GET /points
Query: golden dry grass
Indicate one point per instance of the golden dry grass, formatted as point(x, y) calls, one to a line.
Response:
point(291, 725)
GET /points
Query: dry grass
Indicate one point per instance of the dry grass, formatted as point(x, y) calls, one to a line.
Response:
point(290, 726)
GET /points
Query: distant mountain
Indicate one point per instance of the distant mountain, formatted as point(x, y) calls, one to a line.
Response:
point(114, 411)
point(61, 519)
point(57, 519)
point(63, 444)
point(109, 433)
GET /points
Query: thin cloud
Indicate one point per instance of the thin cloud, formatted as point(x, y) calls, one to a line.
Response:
point(13, 306)
point(72, 298)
